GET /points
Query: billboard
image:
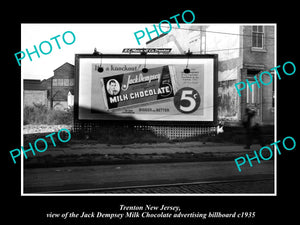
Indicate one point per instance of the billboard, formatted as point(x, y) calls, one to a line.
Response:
point(122, 91)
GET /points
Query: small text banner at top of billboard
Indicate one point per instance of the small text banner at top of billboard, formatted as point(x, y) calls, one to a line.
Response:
point(147, 50)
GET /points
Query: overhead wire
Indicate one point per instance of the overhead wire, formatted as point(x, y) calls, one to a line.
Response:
point(217, 32)
point(225, 33)
point(229, 49)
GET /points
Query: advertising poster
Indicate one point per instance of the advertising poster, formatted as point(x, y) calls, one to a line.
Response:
point(133, 89)
point(164, 93)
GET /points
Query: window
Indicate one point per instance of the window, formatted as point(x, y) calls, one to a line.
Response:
point(66, 82)
point(257, 36)
point(54, 82)
point(71, 82)
point(60, 82)
point(63, 82)
point(253, 97)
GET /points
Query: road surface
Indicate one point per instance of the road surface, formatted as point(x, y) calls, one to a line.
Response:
point(68, 179)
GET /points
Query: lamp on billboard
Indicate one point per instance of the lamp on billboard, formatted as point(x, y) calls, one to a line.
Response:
point(100, 68)
point(187, 70)
point(144, 70)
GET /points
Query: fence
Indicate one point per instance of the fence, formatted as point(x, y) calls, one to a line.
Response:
point(171, 132)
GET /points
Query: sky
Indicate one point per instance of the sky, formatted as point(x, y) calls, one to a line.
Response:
point(107, 38)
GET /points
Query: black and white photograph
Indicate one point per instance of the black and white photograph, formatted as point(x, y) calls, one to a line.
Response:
point(171, 118)
point(160, 131)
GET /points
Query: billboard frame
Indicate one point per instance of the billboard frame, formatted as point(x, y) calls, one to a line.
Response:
point(149, 122)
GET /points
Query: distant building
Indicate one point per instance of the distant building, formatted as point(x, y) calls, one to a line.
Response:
point(243, 52)
point(56, 92)
point(34, 93)
point(62, 86)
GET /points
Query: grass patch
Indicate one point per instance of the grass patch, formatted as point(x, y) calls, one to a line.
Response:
point(40, 114)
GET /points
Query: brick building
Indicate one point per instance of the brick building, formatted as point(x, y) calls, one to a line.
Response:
point(56, 92)
point(62, 87)
point(243, 51)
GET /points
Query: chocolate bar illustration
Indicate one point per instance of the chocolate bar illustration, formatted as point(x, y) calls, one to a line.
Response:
point(134, 88)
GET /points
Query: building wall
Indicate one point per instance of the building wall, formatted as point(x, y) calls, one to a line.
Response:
point(228, 101)
point(32, 97)
point(61, 84)
point(256, 61)
point(265, 56)
point(219, 40)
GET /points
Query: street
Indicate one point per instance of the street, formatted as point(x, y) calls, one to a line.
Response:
point(68, 179)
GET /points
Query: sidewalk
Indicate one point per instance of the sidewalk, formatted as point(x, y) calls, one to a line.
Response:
point(82, 153)
point(90, 147)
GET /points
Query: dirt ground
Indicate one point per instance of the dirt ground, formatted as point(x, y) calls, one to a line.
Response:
point(43, 128)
